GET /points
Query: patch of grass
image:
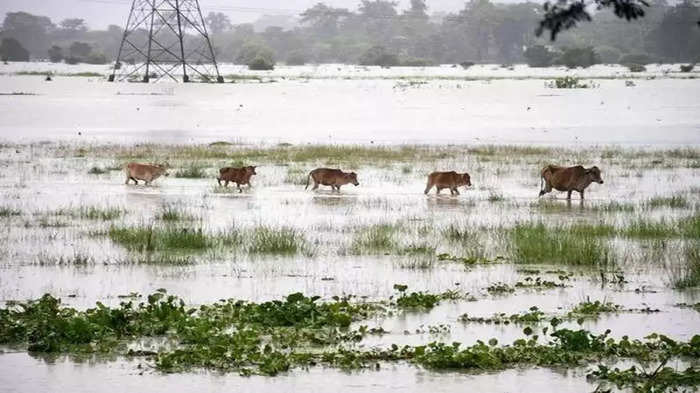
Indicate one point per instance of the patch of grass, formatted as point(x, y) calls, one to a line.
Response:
point(673, 202)
point(689, 276)
point(97, 171)
point(593, 309)
point(375, 239)
point(646, 229)
point(6, 211)
point(536, 243)
point(533, 316)
point(193, 170)
point(173, 213)
point(149, 238)
point(278, 241)
point(100, 213)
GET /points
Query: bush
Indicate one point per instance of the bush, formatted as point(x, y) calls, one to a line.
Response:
point(297, 57)
point(608, 54)
point(96, 58)
point(578, 57)
point(56, 54)
point(261, 63)
point(12, 50)
point(466, 64)
point(568, 82)
point(687, 68)
point(638, 58)
point(538, 56)
point(256, 56)
point(636, 68)
point(378, 55)
point(72, 60)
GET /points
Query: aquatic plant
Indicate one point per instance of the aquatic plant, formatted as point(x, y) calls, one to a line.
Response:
point(537, 243)
point(269, 240)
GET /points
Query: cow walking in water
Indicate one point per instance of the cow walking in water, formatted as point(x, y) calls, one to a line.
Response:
point(240, 176)
point(450, 180)
point(575, 178)
point(146, 172)
point(331, 177)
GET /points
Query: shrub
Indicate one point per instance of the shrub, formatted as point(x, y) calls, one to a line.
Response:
point(378, 55)
point(608, 54)
point(636, 68)
point(72, 60)
point(96, 58)
point(12, 50)
point(261, 63)
point(568, 82)
point(466, 64)
point(538, 56)
point(637, 58)
point(256, 56)
point(687, 68)
point(578, 57)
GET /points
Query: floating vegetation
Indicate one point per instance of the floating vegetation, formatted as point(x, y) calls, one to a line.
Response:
point(533, 316)
point(593, 309)
point(540, 283)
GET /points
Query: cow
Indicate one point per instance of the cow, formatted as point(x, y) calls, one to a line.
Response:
point(450, 180)
point(331, 177)
point(146, 172)
point(239, 176)
point(575, 178)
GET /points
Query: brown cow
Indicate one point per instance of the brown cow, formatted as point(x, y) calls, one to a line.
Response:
point(146, 172)
point(575, 178)
point(331, 177)
point(450, 180)
point(239, 176)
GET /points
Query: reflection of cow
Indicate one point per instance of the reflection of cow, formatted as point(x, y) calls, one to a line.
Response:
point(239, 176)
point(575, 178)
point(331, 177)
point(146, 172)
point(450, 180)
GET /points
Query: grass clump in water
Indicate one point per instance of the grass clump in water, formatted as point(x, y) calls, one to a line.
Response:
point(172, 213)
point(673, 202)
point(6, 211)
point(689, 276)
point(192, 171)
point(375, 239)
point(97, 171)
point(278, 241)
point(536, 243)
point(593, 309)
point(100, 213)
point(159, 239)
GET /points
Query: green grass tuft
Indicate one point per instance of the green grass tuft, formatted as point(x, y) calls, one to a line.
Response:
point(536, 243)
point(278, 241)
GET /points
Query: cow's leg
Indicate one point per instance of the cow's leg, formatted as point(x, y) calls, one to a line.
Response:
point(568, 195)
point(127, 179)
point(581, 192)
point(240, 190)
point(428, 187)
point(337, 188)
point(456, 191)
point(315, 187)
point(135, 181)
point(438, 189)
point(218, 180)
point(225, 183)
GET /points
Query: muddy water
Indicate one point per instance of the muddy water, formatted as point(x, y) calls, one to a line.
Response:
point(34, 182)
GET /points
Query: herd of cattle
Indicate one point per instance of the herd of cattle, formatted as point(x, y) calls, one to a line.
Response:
point(569, 179)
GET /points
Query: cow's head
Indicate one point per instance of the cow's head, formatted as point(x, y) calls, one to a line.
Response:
point(594, 174)
point(251, 170)
point(352, 177)
point(467, 180)
point(162, 169)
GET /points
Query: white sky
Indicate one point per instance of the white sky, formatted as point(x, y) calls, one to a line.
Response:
point(100, 13)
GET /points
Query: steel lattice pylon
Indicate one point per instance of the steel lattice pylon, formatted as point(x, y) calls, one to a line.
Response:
point(165, 39)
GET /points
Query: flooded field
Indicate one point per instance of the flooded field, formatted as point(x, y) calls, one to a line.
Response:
point(540, 292)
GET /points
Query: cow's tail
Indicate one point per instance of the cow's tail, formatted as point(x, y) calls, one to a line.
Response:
point(307, 180)
point(542, 181)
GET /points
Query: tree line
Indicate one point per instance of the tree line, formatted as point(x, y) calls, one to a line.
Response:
point(377, 33)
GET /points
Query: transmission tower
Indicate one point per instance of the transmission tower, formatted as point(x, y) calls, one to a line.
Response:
point(165, 39)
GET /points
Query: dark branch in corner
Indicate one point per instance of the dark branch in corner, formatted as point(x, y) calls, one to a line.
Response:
point(564, 15)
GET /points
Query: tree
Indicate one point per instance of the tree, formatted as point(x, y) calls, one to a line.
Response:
point(539, 56)
point(56, 54)
point(418, 10)
point(323, 19)
point(80, 50)
point(218, 22)
point(12, 50)
point(73, 25)
point(676, 38)
point(30, 30)
point(378, 55)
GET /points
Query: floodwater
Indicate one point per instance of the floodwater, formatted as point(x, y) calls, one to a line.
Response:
point(35, 180)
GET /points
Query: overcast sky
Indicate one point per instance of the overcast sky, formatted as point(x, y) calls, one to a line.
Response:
point(100, 13)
